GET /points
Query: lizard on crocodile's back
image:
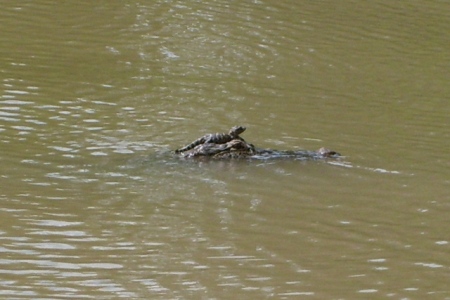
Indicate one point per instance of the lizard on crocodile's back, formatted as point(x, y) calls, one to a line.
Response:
point(231, 145)
point(215, 138)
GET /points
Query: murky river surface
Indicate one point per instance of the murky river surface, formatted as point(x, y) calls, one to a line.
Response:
point(94, 95)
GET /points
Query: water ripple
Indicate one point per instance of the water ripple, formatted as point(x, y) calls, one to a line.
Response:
point(95, 95)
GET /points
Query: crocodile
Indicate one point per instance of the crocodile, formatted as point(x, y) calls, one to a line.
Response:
point(220, 147)
point(214, 138)
point(240, 149)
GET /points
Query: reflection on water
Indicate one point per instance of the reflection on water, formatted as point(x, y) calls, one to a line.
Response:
point(94, 97)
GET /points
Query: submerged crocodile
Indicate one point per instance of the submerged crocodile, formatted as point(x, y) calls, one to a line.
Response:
point(215, 138)
point(220, 147)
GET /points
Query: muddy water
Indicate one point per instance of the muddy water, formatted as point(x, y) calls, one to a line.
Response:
point(94, 95)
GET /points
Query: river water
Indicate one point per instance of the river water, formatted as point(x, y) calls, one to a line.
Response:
point(95, 94)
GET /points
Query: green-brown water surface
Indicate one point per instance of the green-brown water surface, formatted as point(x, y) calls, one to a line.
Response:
point(95, 94)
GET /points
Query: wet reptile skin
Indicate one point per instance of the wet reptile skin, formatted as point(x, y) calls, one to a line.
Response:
point(215, 138)
point(231, 145)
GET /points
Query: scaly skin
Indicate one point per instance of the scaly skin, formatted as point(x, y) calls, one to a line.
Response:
point(223, 146)
point(215, 138)
point(236, 147)
point(240, 149)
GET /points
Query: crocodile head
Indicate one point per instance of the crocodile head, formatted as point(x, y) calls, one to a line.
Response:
point(327, 152)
